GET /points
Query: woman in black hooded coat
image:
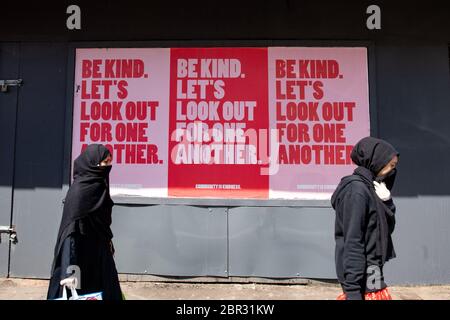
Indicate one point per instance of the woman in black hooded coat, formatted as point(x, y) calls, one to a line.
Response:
point(84, 237)
point(365, 220)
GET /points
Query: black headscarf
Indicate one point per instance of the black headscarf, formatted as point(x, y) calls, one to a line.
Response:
point(371, 155)
point(88, 196)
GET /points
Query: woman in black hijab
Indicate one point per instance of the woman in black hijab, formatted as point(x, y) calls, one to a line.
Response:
point(365, 221)
point(84, 237)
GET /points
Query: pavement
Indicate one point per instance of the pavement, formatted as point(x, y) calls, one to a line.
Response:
point(32, 289)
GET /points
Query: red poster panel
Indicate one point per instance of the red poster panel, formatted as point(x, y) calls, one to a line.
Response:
point(218, 106)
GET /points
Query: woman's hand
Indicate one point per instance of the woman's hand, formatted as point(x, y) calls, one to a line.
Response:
point(382, 191)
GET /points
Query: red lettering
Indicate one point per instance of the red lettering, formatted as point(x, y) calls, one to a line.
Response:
point(318, 91)
point(141, 132)
point(327, 111)
point(340, 138)
point(152, 154)
point(328, 133)
point(317, 133)
point(280, 127)
point(306, 155)
point(109, 64)
point(130, 154)
point(127, 68)
point(348, 151)
point(303, 68)
point(282, 155)
point(95, 94)
point(333, 69)
point(312, 108)
point(290, 73)
point(340, 160)
point(119, 148)
point(153, 105)
point(350, 106)
point(317, 153)
point(122, 87)
point(96, 68)
point(106, 132)
point(278, 90)
point(116, 115)
point(140, 159)
point(84, 93)
point(280, 69)
point(329, 155)
point(138, 68)
point(84, 116)
point(290, 86)
point(294, 154)
point(132, 132)
point(95, 110)
point(86, 66)
point(100, 132)
point(84, 126)
point(279, 115)
point(130, 111)
point(94, 132)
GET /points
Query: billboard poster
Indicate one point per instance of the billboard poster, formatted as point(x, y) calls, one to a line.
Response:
point(232, 123)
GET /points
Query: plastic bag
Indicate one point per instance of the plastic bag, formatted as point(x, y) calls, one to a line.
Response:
point(70, 284)
point(377, 295)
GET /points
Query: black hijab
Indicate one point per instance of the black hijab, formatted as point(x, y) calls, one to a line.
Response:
point(88, 196)
point(371, 155)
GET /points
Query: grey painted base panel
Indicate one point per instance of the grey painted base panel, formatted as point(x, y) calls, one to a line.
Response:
point(287, 242)
point(4, 252)
point(9, 62)
point(265, 242)
point(281, 242)
point(284, 241)
point(5, 213)
point(422, 242)
point(171, 240)
point(37, 215)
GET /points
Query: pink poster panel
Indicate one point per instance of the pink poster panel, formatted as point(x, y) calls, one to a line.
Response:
point(318, 110)
point(121, 100)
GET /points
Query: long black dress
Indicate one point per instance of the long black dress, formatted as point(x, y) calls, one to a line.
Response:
point(84, 238)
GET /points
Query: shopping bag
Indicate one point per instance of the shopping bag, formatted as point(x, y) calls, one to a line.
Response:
point(75, 296)
point(71, 284)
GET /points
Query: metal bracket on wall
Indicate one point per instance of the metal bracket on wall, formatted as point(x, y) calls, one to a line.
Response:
point(11, 231)
point(4, 84)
